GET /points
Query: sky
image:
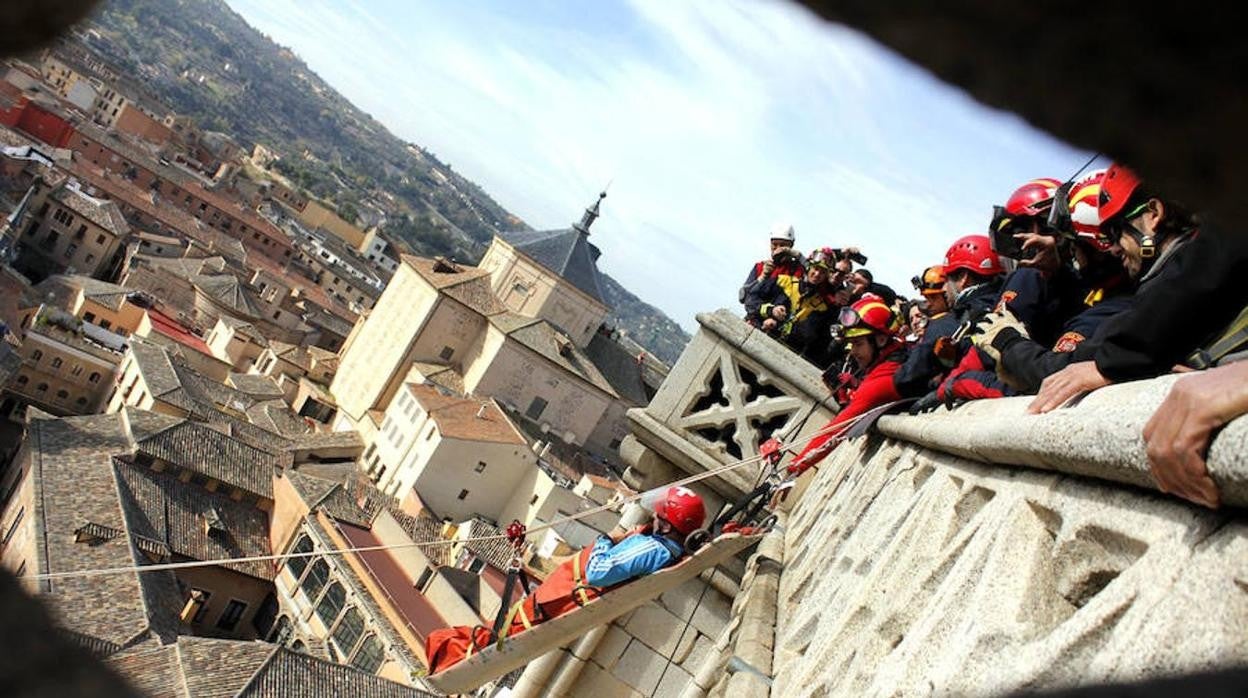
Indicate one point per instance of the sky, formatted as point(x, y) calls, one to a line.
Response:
point(711, 120)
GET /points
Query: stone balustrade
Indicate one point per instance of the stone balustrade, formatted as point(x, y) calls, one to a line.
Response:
point(732, 389)
point(972, 552)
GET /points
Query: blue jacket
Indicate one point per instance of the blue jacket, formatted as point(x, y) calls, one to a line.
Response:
point(635, 556)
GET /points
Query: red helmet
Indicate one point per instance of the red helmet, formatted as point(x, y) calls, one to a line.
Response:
point(824, 257)
point(973, 253)
point(1033, 198)
point(1085, 217)
point(1116, 190)
point(869, 315)
point(682, 508)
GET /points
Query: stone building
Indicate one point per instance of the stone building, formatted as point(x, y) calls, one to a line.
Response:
point(437, 312)
point(371, 610)
point(67, 366)
point(458, 456)
point(69, 231)
point(551, 275)
point(135, 488)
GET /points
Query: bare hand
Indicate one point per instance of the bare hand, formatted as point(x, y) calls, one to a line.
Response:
point(769, 325)
point(1178, 434)
point(767, 267)
point(779, 312)
point(1073, 380)
point(843, 296)
point(1046, 259)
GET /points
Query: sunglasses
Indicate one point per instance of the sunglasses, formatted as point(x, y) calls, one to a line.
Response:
point(1113, 230)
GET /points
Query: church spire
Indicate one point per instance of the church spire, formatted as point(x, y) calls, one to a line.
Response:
point(591, 215)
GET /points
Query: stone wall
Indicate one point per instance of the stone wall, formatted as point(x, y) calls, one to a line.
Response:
point(911, 570)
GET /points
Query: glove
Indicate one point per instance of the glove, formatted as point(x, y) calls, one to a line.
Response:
point(992, 325)
point(927, 403)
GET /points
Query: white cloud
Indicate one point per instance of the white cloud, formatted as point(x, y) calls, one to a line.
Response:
point(712, 119)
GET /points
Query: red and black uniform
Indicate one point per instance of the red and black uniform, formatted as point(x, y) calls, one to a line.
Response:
point(875, 389)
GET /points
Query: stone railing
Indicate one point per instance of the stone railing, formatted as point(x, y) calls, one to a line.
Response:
point(975, 552)
point(732, 388)
point(917, 562)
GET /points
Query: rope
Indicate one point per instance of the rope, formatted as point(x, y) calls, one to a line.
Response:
point(189, 564)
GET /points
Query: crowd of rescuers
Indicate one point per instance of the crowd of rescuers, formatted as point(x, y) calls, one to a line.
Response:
point(1075, 285)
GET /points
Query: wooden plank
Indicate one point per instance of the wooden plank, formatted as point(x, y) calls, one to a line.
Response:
point(521, 649)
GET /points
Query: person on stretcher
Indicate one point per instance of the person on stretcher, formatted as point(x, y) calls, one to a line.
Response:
point(610, 562)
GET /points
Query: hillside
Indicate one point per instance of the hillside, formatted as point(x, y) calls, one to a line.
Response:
point(202, 59)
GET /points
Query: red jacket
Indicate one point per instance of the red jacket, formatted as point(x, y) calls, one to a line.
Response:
point(875, 389)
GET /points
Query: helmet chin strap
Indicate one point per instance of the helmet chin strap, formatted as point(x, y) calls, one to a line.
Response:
point(1148, 246)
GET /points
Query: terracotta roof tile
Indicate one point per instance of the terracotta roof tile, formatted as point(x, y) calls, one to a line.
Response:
point(457, 417)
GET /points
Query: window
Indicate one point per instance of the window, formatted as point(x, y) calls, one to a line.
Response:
point(281, 631)
point(297, 565)
point(13, 526)
point(36, 355)
point(463, 494)
point(370, 656)
point(446, 352)
point(233, 613)
point(535, 408)
point(424, 579)
point(99, 240)
point(94, 377)
point(105, 324)
point(22, 380)
point(348, 632)
point(318, 574)
point(429, 434)
point(62, 216)
point(56, 362)
point(263, 619)
point(372, 448)
point(42, 388)
point(81, 232)
point(76, 370)
point(90, 258)
point(533, 501)
point(331, 604)
point(88, 317)
point(203, 604)
point(480, 467)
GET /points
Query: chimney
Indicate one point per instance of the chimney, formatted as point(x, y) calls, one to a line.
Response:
point(481, 411)
point(545, 450)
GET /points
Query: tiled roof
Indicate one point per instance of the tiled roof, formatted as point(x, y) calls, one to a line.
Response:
point(293, 675)
point(567, 252)
point(543, 338)
point(423, 528)
point(429, 270)
point(77, 487)
point(205, 450)
point(442, 375)
point(200, 667)
point(276, 416)
point(619, 367)
point(457, 417)
point(255, 385)
point(166, 326)
point(496, 551)
point(100, 212)
point(229, 291)
point(327, 439)
point(61, 288)
point(160, 507)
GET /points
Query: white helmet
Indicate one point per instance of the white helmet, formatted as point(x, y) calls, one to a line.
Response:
point(782, 231)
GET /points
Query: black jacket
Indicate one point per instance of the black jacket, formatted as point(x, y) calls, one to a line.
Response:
point(1199, 289)
point(922, 370)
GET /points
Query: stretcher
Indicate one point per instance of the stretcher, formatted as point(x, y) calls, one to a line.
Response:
point(516, 651)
